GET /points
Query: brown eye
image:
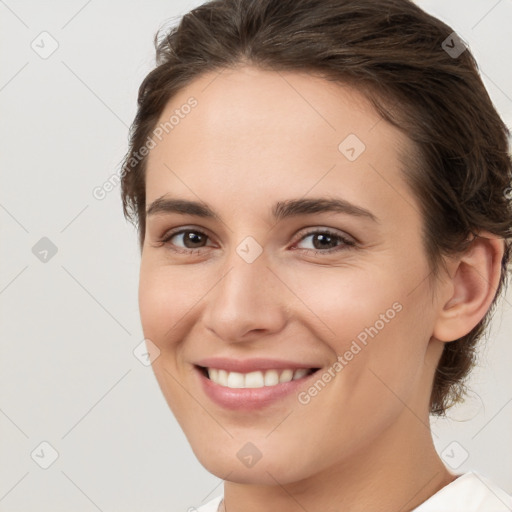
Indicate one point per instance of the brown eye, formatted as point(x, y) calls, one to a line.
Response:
point(324, 241)
point(193, 239)
point(190, 239)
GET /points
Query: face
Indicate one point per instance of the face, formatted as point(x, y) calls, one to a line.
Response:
point(282, 236)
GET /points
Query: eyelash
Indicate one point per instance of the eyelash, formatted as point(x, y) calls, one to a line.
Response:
point(345, 242)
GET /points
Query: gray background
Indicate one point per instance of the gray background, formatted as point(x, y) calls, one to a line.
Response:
point(69, 325)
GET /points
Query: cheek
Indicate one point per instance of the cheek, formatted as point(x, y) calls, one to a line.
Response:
point(165, 303)
point(154, 306)
point(346, 302)
point(166, 297)
point(376, 328)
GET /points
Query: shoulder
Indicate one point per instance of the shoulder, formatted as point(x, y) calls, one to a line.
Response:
point(210, 506)
point(469, 492)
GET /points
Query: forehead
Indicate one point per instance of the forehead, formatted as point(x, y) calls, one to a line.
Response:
point(265, 133)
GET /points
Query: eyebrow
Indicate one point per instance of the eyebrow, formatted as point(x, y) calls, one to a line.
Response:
point(280, 210)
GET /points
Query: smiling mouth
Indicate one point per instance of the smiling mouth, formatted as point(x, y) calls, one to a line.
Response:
point(255, 379)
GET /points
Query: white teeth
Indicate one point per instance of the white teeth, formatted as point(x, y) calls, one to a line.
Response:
point(222, 378)
point(286, 376)
point(236, 380)
point(271, 377)
point(301, 372)
point(213, 373)
point(255, 379)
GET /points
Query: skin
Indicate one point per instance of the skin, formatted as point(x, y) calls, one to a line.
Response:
point(363, 443)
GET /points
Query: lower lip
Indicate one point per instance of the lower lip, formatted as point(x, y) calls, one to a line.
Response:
point(249, 399)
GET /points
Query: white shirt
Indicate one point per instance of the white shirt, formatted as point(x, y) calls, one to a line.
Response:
point(470, 492)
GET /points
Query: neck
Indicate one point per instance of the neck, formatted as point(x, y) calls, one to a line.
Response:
point(398, 471)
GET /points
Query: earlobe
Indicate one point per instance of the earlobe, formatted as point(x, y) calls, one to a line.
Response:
point(472, 286)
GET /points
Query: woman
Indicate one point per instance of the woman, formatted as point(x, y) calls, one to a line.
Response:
point(320, 188)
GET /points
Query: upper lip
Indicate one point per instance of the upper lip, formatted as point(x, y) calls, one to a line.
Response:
point(251, 365)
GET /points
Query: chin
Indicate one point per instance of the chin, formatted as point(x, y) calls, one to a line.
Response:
point(266, 471)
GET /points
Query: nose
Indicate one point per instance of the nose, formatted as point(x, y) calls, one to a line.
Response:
point(248, 302)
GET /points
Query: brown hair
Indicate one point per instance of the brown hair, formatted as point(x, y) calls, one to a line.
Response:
point(400, 57)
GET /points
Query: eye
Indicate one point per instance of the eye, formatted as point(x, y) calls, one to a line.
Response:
point(321, 241)
point(326, 241)
point(185, 240)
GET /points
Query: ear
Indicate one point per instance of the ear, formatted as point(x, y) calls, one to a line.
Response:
point(470, 288)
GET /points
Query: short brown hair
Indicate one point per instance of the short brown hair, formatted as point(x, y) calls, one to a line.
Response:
point(396, 54)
